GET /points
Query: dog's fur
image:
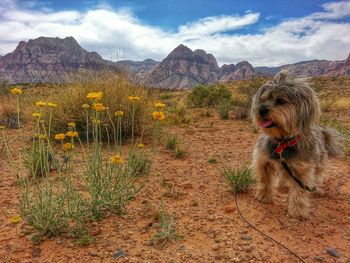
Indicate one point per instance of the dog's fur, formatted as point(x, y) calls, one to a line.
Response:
point(291, 108)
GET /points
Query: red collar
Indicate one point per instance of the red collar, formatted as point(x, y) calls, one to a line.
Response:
point(283, 146)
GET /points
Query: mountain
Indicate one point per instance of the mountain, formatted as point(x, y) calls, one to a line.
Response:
point(48, 59)
point(309, 68)
point(184, 68)
point(342, 68)
point(138, 69)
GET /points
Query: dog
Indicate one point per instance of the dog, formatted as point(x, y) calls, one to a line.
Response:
point(292, 147)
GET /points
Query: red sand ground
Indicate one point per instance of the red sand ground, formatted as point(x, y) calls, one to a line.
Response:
point(205, 211)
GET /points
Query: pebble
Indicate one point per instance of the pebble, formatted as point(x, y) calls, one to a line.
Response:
point(93, 254)
point(332, 251)
point(187, 185)
point(215, 247)
point(229, 209)
point(246, 237)
point(119, 253)
point(319, 259)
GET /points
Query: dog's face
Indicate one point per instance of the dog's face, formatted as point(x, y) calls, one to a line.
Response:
point(283, 108)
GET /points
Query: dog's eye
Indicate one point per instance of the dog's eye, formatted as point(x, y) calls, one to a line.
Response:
point(280, 101)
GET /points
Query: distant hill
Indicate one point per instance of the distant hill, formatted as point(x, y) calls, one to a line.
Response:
point(47, 59)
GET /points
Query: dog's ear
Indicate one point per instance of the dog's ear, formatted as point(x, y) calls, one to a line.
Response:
point(281, 76)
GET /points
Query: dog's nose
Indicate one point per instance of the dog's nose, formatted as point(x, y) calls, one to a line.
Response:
point(263, 110)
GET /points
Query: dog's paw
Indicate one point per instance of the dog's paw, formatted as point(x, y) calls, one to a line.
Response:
point(301, 213)
point(264, 198)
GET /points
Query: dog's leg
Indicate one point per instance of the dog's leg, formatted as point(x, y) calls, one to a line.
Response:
point(264, 171)
point(299, 198)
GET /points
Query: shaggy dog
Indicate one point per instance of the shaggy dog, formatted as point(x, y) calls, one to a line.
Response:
point(292, 146)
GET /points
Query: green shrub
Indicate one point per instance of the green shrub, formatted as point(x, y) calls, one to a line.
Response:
point(173, 145)
point(208, 95)
point(167, 229)
point(224, 109)
point(238, 179)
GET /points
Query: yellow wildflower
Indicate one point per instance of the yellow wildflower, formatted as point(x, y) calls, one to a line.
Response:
point(158, 115)
point(86, 106)
point(71, 124)
point(94, 95)
point(159, 105)
point(36, 115)
point(60, 136)
point(119, 113)
point(2, 127)
point(68, 147)
point(140, 145)
point(52, 105)
point(16, 91)
point(72, 134)
point(99, 107)
point(15, 219)
point(117, 159)
point(40, 103)
point(133, 98)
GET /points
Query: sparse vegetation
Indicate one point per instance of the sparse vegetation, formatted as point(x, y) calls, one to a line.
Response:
point(224, 109)
point(167, 230)
point(208, 95)
point(173, 145)
point(239, 179)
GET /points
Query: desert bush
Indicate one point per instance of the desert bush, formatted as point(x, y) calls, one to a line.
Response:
point(4, 88)
point(180, 114)
point(208, 95)
point(239, 179)
point(224, 109)
point(167, 229)
point(116, 90)
point(138, 163)
point(242, 98)
point(43, 209)
point(173, 145)
point(8, 112)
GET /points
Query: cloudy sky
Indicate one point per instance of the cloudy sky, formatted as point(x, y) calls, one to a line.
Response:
point(263, 32)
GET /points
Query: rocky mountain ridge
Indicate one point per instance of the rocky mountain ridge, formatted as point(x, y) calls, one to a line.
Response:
point(51, 59)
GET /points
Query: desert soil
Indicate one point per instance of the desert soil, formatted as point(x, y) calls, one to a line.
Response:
point(206, 215)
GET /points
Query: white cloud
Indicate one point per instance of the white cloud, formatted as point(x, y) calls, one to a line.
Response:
point(217, 24)
point(109, 32)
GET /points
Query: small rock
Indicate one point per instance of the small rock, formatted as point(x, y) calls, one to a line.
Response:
point(36, 252)
point(194, 203)
point(246, 237)
point(215, 247)
point(229, 209)
point(319, 259)
point(119, 254)
point(187, 185)
point(93, 254)
point(248, 249)
point(332, 251)
point(95, 231)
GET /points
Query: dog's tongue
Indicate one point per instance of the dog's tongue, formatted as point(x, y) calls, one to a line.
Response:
point(265, 123)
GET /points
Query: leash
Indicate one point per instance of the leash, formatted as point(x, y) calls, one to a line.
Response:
point(279, 150)
point(296, 179)
point(263, 234)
